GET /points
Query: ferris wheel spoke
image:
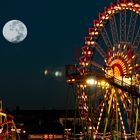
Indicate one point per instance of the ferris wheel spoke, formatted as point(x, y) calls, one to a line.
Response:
point(131, 28)
point(100, 50)
point(125, 103)
point(137, 117)
point(121, 119)
point(137, 39)
point(114, 29)
point(102, 105)
point(96, 65)
point(108, 111)
point(123, 26)
point(106, 39)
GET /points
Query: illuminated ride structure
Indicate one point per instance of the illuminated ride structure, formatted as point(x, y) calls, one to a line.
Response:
point(8, 129)
point(107, 78)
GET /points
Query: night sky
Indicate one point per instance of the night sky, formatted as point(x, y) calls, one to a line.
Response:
point(55, 30)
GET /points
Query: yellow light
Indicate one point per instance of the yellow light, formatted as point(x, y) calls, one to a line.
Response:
point(107, 17)
point(73, 80)
point(123, 5)
point(92, 42)
point(124, 46)
point(81, 86)
point(94, 136)
point(125, 137)
point(83, 96)
point(137, 5)
point(124, 106)
point(102, 83)
point(46, 72)
point(96, 33)
point(103, 17)
point(119, 113)
point(133, 56)
point(109, 12)
point(130, 4)
point(101, 25)
point(91, 81)
point(118, 109)
point(90, 127)
point(88, 42)
point(116, 7)
point(102, 110)
point(129, 101)
point(130, 68)
point(97, 24)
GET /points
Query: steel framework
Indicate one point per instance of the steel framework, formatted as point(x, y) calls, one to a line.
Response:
point(107, 78)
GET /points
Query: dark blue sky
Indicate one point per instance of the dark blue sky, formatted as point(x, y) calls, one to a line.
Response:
point(55, 30)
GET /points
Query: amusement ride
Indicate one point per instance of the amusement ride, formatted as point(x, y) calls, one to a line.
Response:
point(107, 78)
point(8, 130)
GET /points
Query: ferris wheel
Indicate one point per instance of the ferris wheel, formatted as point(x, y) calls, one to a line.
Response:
point(107, 79)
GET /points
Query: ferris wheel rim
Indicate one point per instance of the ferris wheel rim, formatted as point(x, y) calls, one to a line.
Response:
point(98, 24)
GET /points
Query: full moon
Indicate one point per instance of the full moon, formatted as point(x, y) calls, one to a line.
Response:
point(14, 31)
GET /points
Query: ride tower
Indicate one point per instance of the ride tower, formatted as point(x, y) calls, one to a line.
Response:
point(107, 78)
